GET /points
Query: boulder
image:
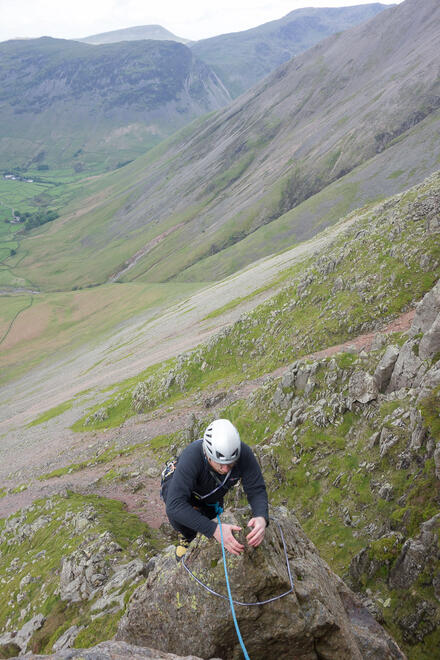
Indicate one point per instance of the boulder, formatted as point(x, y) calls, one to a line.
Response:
point(385, 367)
point(11, 642)
point(320, 618)
point(67, 639)
point(362, 387)
point(430, 342)
point(409, 368)
point(427, 311)
point(416, 554)
point(386, 492)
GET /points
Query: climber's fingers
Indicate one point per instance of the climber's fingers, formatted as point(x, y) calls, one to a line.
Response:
point(255, 537)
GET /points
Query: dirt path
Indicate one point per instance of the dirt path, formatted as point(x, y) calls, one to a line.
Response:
point(364, 342)
point(139, 492)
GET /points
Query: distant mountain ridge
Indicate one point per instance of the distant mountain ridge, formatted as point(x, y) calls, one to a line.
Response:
point(94, 104)
point(156, 32)
point(64, 101)
point(253, 178)
point(241, 59)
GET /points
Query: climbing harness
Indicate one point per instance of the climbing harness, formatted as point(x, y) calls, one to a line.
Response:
point(167, 472)
point(232, 602)
point(220, 484)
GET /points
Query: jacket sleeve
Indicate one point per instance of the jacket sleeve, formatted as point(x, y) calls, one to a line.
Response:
point(182, 484)
point(253, 483)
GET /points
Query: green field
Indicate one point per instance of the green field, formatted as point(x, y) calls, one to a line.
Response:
point(50, 190)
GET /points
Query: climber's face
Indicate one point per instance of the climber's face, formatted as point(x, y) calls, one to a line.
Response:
point(221, 468)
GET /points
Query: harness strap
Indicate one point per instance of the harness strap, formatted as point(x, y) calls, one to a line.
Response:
point(220, 485)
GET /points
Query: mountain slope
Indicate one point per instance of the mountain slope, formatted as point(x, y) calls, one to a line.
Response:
point(64, 102)
point(156, 32)
point(241, 59)
point(351, 98)
point(358, 458)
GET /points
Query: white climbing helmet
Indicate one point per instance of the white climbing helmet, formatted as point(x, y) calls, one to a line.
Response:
point(221, 442)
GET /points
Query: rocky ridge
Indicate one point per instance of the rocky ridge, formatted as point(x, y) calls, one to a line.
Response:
point(391, 398)
point(320, 618)
point(68, 565)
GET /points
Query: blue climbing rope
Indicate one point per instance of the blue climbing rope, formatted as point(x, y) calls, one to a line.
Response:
point(218, 511)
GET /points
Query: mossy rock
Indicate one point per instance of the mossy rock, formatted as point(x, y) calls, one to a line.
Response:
point(10, 650)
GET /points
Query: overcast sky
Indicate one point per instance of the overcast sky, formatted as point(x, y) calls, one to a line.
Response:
point(193, 19)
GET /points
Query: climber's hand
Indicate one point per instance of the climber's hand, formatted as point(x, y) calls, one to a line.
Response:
point(230, 542)
point(255, 537)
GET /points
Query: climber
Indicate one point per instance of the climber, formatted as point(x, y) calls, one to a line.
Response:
point(196, 483)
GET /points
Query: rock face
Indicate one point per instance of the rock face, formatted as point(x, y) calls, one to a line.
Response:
point(385, 367)
point(362, 387)
point(416, 555)
point(412, 367)
point(110, 651)
point(20, 639)
point(427, 311)
point(321, 618)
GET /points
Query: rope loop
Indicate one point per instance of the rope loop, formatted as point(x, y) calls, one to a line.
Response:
point(237, 602)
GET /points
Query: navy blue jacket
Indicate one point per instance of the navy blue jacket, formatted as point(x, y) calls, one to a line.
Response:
point(194, 477)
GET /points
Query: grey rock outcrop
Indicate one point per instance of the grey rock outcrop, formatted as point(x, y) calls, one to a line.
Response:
point(412, 368)
point(385, 367)
point(89, 569)
point(362, 387)
point(66, 640)
point(416, 554)
point(81, 575)
point(409, 368)
point(427, 311)
point(21, 638)
point(110, 651)
point(430, 342)
point(430, 380)
point(387, 440)
point(321, 618)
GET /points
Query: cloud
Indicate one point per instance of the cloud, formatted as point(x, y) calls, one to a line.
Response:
point(194, 19)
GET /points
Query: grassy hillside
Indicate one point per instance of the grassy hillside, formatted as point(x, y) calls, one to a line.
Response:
point(361, 501)
point(380, 267)
point(70, 104)
point(242, 59)
point(360, 504)
point(35, 327)
point(219, 186)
